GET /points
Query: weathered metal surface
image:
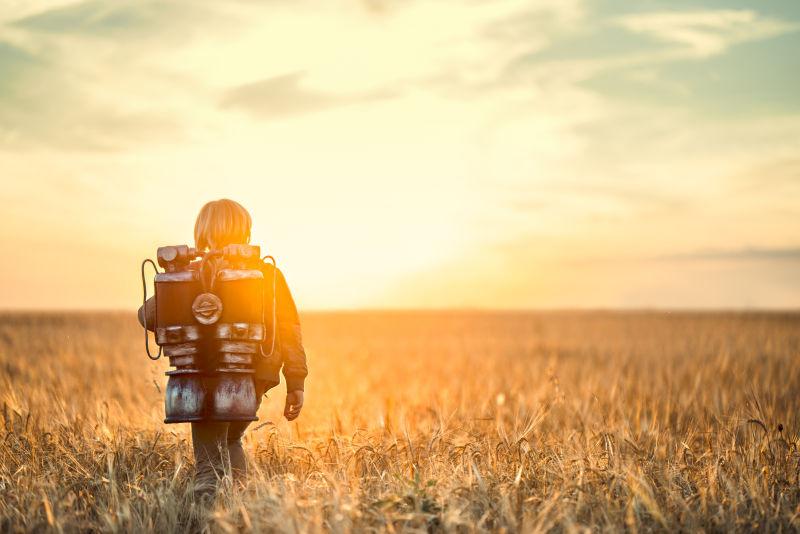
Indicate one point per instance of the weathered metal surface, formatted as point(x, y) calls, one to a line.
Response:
point(181, 349)
point(210, 336)
point(185, 397)
point(228, 275)
point(175, 293)
point(241, 252)
point(244, 347)
point(189, 361)
point(235, 358)
point(177, 334)
point(177, 276)
point(175, 258)
point(207, 308)
point(232, 395)
point(222, 395)
point(243, 298)
point(239, 331)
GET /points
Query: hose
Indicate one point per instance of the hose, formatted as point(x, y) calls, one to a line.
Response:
point(144, 311)
point(274, 310)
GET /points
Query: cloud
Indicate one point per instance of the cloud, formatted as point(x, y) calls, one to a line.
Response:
point(741, 254)
point(705, 33)
point(13, 11)
point(482, 138)
point(131, 71)
point(123, 19)
point(285, 95)
point(43, 105)
point(627, 194)
point(781, 174)
point(630, 54)
point(94, 17)
point(538, 272)
point(76, 77)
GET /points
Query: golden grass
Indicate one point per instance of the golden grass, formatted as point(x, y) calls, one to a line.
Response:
point(423, 421)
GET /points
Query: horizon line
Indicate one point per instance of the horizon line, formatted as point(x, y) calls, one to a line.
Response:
point(454, 309)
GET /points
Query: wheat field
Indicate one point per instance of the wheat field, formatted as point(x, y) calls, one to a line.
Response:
point(453, 422)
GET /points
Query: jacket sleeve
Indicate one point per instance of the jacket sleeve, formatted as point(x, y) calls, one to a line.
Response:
point(295, 368)
point(148, 310)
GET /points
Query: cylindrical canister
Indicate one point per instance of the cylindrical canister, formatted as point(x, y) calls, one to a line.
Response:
point(180, 335)
point(237, 337)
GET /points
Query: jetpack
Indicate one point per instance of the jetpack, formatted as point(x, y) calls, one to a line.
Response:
point(210, 322)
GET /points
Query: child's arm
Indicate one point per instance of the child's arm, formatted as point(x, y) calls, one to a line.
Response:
point(295, 368)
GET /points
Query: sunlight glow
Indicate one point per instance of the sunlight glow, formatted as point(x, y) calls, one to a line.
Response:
point(429, 154)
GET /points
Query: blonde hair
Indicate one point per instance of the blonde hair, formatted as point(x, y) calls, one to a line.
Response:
point(221, 222)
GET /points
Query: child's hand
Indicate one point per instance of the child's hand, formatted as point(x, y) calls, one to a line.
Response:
point(294, 403)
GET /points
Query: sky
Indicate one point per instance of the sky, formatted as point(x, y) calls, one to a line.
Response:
point(408, 153)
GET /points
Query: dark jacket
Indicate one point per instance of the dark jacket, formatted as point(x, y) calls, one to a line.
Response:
point(288, 354)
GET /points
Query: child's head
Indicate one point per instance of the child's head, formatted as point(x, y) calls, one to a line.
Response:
point(221, 222)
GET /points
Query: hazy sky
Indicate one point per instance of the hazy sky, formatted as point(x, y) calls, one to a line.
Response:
point(550, 153)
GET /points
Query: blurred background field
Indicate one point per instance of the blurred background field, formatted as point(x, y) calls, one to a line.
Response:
point(451, 421)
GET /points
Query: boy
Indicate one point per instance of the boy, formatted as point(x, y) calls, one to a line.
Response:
point(220, 223)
